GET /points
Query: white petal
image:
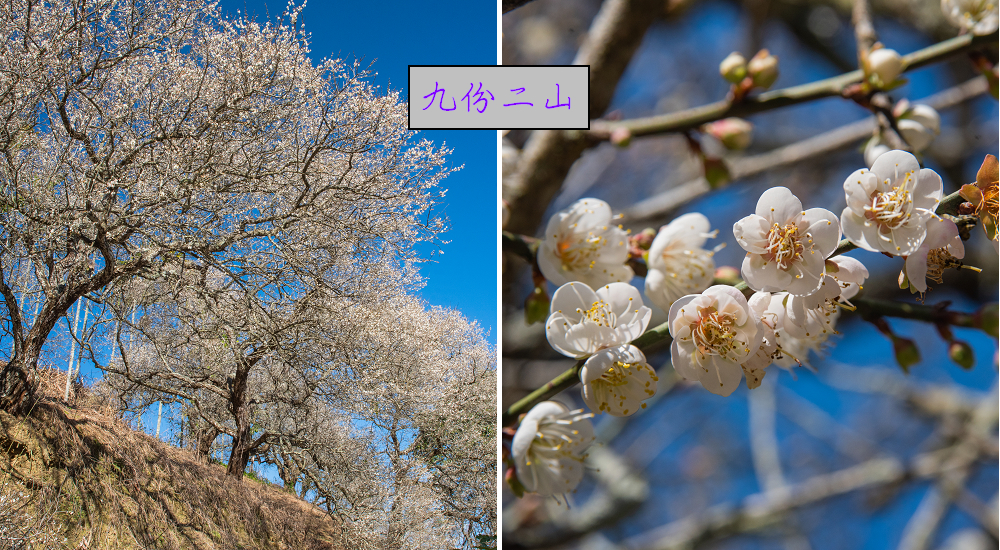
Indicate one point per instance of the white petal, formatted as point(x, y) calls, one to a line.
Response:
point(825, 230)
point(571, 297)
point(751, 233)
point(894, 165)
point(779, 205)
point(915, 134)
point(722, 378)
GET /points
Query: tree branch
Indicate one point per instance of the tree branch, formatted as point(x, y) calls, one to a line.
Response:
point(614, 36)
point(830, 87)
point(663, 203)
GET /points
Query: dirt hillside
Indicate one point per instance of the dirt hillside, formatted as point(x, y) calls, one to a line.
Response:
point(76, 477)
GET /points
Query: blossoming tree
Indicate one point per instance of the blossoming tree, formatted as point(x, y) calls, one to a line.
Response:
point(854, 241)
point(146, 137)
point(240, 225)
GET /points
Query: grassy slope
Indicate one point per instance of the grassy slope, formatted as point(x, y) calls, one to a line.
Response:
point(114, 488)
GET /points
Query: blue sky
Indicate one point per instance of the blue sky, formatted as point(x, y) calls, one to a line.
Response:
point(393, 36)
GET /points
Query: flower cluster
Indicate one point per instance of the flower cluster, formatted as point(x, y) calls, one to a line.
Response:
point(796, 282)
point(600, 326)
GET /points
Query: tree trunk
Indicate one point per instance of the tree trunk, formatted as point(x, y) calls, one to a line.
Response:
point(239, 457)
point(203, 439)
point(17, 387)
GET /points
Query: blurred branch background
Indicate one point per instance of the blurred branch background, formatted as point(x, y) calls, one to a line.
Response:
point(857, 454)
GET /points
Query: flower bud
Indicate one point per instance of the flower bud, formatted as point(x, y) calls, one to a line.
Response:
point(621, 137)
point(919, 125)
point(734, 133)
point(727, 273)
point(510, 476)
point(886, 65)
point(925, 115)
point(961, 354)
point(716, 173)
point(763, 69)
point(875, 147)
point(644, 239)
point(733, 68)
point(906, 352)
point(536, 306)
point(988, 319)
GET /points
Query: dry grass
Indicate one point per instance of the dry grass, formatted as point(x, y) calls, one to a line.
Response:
point(120, 489)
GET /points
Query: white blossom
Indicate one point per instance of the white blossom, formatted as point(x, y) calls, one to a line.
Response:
point(842, 280)
point(617, 381)
point(941, 249)
point(979, 17)
point(888, 206)
point(754, 367)
point(798, 329)
point(548, 448)
point(793, 325)
point(714, 334)
point(786, 246)
point(584, 321)
point(678, 265)
point(581, 244)
point(886, 64)
point(875, 148)
point(919, 125)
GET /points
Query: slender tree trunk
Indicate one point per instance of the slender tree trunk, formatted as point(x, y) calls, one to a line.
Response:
point(159, 418)
point(72, 349)
point(239, 457)
point(203, 438)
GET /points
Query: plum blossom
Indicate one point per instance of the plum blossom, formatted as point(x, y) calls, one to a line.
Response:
point(786, 246)
point(583, 321)
point(919, 125)
point(979, 17)
point(874, 148)
point(617, 381)
point(794, 325)
point(842, 280)
point(678, 265)
point(888, 206)
point(581, 244)
point(767, 352)
point(941, 249)
point(798, 329)
point(714, 334)
point(548, 448)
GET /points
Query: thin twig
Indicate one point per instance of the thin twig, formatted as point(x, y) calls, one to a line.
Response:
point(864, 31)
point(662, 204)
point(829, 87)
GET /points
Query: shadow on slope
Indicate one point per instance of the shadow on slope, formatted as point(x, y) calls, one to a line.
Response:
point(104, 486)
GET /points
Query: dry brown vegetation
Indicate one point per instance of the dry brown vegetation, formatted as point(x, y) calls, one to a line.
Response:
point(115, 488)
